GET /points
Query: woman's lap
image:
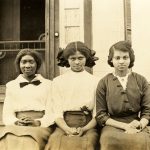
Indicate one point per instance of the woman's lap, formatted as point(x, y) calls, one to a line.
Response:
point(115, 139)
point(59, 141)
point(35, 137)
point(12, 142)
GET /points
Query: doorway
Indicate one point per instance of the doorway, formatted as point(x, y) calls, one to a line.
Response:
point(32, 19)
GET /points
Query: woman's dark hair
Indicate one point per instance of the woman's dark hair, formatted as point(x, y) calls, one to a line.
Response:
point(71, 49)
point(36, 55)
point(124, 46)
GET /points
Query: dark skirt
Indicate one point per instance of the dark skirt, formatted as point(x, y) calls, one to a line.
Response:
point(24, 137)
point(60, 141)
point(115, 139)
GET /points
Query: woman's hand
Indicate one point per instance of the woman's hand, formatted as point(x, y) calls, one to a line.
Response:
point(135, 124)
point(80, 131)
point(133, 127)
point(19, 123)
point(71, 131)
point(76, 131)
point(27, 121)
point(34, 123)
point(130, 130)
point(23, 121)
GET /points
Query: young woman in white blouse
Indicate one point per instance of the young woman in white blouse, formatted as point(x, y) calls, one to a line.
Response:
point(74, 101)
point(24, 106)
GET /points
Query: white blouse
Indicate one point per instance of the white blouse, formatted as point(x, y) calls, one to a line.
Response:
point(73, 90)
point(29, 97)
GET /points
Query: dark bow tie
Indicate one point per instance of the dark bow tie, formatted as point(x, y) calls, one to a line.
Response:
point(37, 82)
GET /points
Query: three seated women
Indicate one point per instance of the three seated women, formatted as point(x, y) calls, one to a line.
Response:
point(75, 102)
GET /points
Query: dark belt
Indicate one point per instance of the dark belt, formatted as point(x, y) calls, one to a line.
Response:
point(126, 118)
point(77, 118)
point(31, 113)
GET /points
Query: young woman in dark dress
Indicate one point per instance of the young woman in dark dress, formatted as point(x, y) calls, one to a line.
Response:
point(123, 103)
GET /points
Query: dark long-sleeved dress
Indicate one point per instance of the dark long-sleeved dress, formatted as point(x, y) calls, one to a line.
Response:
point(112, 101)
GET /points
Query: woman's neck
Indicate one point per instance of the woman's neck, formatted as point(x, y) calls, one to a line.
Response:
point(77, 71)
point(29, 78)
point(121, 73)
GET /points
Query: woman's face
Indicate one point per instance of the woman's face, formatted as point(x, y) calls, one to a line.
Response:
point(121, 60)
point(28, 65)
point(77, 62)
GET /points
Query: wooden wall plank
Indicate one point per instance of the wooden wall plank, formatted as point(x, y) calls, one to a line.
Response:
point(127, 19)
point(88, 26)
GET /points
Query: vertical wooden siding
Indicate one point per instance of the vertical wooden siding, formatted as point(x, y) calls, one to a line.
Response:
point(127, 19)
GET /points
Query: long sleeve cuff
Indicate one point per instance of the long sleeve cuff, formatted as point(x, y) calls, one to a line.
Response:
point(101, 120)
point(146, 117)
point(10, 121)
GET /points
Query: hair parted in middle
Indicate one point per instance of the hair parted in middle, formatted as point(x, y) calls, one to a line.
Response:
point(71, 49)
point(36, 55)
point(124, 46)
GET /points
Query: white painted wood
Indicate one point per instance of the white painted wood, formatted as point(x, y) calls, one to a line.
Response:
point(108, 28)
point(140, 12)
point(71, 14)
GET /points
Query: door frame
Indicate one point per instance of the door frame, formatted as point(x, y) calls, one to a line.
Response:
point(51, 37)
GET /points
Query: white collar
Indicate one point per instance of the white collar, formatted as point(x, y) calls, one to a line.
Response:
point(125, 77)
point(20, 78)
point(123, 80)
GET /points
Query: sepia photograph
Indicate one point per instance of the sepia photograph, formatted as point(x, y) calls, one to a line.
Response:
point(73, 75)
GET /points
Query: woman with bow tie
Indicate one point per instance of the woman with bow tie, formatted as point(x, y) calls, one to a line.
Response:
point(24, 106)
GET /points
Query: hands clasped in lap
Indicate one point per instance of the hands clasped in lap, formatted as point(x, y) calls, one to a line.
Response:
point(133, 127)
point(75, 131)
point(27, 121)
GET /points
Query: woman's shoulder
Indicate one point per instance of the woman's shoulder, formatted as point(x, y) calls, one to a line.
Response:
point(43, 79)
point(11, 83)
point(59, 77)
point(92, 76)
point(45, 82)
point(107, 77)
point(138, 76)
point(92, 79)
point(14, 82)
point(141, 81)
